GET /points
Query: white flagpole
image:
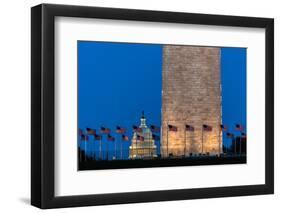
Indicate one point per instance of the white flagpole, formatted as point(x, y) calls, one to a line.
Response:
point(167, 140)
point(100, 149)
point(220, 133)
point(185, 141)
point(107, 150)
point(121, 152)
point(115, 151)
point(85, 148)
point(202, 140)
point(240, 143)
point(79, 148)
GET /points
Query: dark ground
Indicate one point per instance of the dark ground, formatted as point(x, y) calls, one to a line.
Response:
point(160, 162)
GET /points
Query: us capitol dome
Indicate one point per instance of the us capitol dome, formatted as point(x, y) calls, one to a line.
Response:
point(142, 144)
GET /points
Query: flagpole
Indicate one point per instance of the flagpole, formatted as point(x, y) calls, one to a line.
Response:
point(79, 144)
point(85, 148)
point(121, 154)
point(115, 151)
point(234, 146)
point(240, 143)
point(150, 148)
point(100, 149)
point(202, 141)
point(220, 133)
point(137, 146)
point(185, 142)
point(167, 140)
point(80, 153)
point(93, 149)
point(143, 144)
point(106, 150)
point(142, 151)
point(190, 140)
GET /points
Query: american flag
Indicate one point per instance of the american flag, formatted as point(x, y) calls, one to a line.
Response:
point(207, 127)
point(90, 131)
point(84, 137)
point(97, 137)
point(172, 128)
point(137, 129)
point(140, 138)
point(189, 128)
point(229, 135)
point(110, 138)
point(154, 128)
point(238, 127)
point(104, 130)
point(120, 130)
point(125, 138)
point(80, 132)
point(223, 127)
point(155, 137)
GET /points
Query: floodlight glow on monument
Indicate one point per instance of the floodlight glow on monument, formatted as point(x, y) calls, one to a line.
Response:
point(191, 94)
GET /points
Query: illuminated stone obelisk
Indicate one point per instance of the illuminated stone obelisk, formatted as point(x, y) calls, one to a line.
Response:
point(191, 96)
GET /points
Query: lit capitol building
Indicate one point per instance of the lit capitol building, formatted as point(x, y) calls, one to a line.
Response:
point(143, 143)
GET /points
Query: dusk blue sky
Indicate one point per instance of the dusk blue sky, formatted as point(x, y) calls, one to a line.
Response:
point(233, 80)
point(117, 81)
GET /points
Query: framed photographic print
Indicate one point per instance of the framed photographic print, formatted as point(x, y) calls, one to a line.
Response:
point(139, 106)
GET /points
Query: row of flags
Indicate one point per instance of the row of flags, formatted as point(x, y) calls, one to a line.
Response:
point(208, 128)
point(231, 135)
point(103, 130)
point(85, 137)
point(120, 130)
point(154, 137)
point(154, 129)
point(205, 127)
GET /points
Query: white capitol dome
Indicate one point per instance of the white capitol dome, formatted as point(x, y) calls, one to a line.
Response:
point(143, 144)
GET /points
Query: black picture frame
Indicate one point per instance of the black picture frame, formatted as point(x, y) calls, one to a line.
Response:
point(43, 102)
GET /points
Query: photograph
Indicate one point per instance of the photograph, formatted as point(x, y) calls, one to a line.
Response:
point(149, 105)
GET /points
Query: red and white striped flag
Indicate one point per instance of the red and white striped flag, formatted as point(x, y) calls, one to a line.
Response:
point(238, 127)
point(84, 137)
point(137, 129)
point(80, 132)
point(172, 128)
point(207, 128)
point(104, 130)
point(125, 138)
point(229, 135)
point(155, 137)
point(110, 138)
point(140, 138)
point(189, 128)
point(223, 127)
point(120, 130)
point(154, 128)
point(97, 137)
point(90, 131)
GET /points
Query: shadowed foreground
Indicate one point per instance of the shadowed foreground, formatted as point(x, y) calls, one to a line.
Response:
point(160, 162)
